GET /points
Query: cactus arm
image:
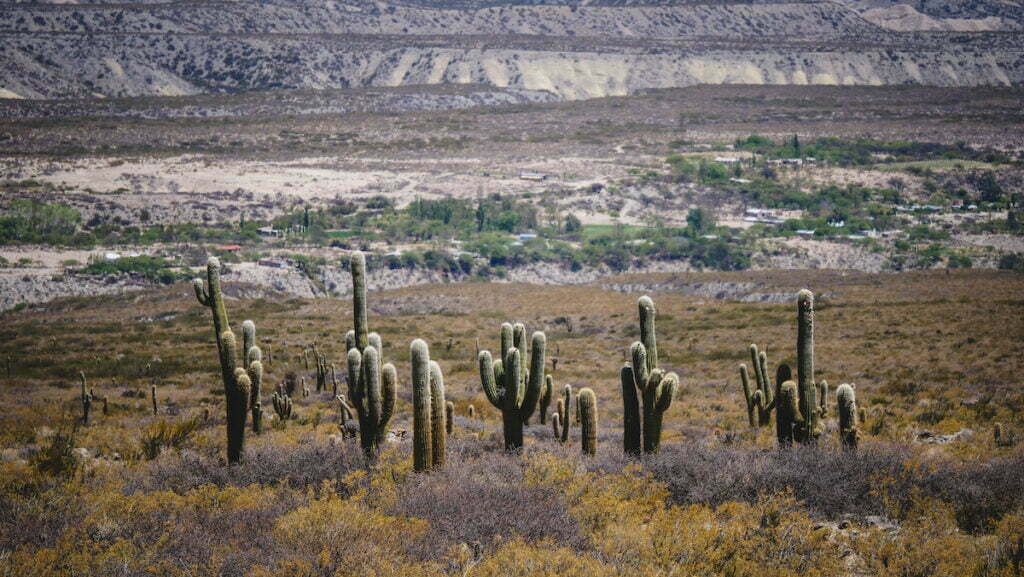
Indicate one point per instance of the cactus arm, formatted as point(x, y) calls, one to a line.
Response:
point(536, 376)
point(248, 339)
point(506, 339)
point(757, 403)
point(421, 433)
point(372, 377)
point(748, 395)
point(377, 343)
point(647, 330)
point(587, 409)
point(201, 294)
point(762, 360)
point(389, 395)
point(641, 372)
point(489, 379)
point(438, 419)
point(355, 382)
point(631, 423)
point(667, 392)
point(350, 340)
point(357, 265)
point(519, 342)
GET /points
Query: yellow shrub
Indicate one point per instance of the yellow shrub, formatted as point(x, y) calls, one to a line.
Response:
point(519, 559)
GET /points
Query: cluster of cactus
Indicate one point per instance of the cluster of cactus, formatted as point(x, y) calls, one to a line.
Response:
point(647, 391)
point(253, 364)
point(282, 405)
point(560, 424)
point(373, 388)
point(237, 383)
point(324, 368)
point(430, 410)
point(511, 386)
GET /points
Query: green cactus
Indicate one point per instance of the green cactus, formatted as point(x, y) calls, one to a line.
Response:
point(788, 413)
point(282, 406)
point(86, 399)
point(587, 409)
point(236, 388)
point(555, 422)
point(757, 403)
point(823, 399)
point(545, 399)
point(152, 396)
point(346, 409)
point(810, 428)
point(565, 407)
point(255, 372)
point(652, 391)
point(759, 362)
point(846, 404)
point(449, 418)
point(429, 409)
point(372, 388)
point(507, 383)
point(748, 395)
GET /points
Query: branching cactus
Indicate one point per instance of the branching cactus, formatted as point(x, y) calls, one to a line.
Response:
point(236, 384)
point(647, 392)
point(846, 405)
point(509, 386)
point(759, 362)
point(587, 409)
point(372, 388)
point(323, 369)
point(282, 406)
point(429, 408)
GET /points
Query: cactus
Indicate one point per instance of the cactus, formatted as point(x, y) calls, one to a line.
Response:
point(255, 372)
point(323, 368)
point(429, 409)
point(152, 395)
point(372, 388)
point(564, 406)
point(282, 406)
point(346, 409)
point(787, 413)
point(509, 386)
point(555, 426)
point(748, 395)
point(236, 386)
point(545, 399)
point(449, 418)
point(823, 399)
point(86, 399)
point(652, 390)
point(587, 409)
point(846, 403)
point(471, 412)
point(757, 403)
point(759, 362)
point(810, 427)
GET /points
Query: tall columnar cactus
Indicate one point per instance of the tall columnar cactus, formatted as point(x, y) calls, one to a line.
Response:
point(236, 385)
point(86, 399)
point(587, 409)
point(449, 418)
point(545, 399)
point(438, 417)
point(565, 407)
point(652, 391)
point(372, 388)
point(810, 410)
point(509, 386)
point(255, 372)
point(846, 404)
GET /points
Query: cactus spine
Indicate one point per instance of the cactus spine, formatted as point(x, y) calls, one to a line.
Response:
point(429, 408)
point(652, 391)
point(509, 386)
point(846, 404)
point(372, 388)
point(587, 409)
point(236, 385)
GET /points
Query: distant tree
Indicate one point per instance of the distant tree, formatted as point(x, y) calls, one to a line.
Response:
point(700, 221)
point(796, 146)
point(573, 224)
point(989, 187)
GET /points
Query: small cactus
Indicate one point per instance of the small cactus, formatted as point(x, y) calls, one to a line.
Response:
point(282, 406)
point(587, 409)
point(86, 399)
point(471, 412)
point(846, 404)
point(787, 413)
point(449, 418)
point(373, 388)
point(653, 390)
point(509, 386)
point(748, 395)
point(152, 396)
point(565, 406)
point(555, 424)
